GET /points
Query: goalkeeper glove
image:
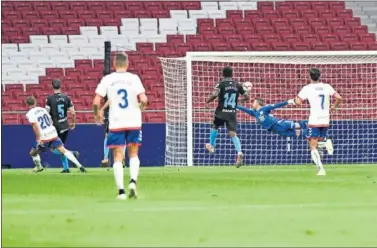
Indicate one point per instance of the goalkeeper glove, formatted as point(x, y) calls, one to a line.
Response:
point(291, 101)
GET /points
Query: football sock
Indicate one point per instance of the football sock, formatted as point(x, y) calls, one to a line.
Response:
point(37, 160)
point(56, 152)
point(72, 158)
point(134, 168)
point(118, 175)
point(212, 137)
point(237, 143)
point(105, 149)
point(316, 158)
point(64, 162)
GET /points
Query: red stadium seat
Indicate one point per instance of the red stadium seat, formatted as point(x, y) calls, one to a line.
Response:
point(317, 22)
point(347, 13)
point(358, 46)
point(251, 38)
point(58, 6)
point(58, 23)
point(265, 30)
point(329, 38)
point(144, 46)
point(226, 30)
point(359, 30)
point(372, 46)
point(222, 46)
point(265, 5)
point(173, 38)
point(104, 14)
point(49, 14)
point(355, 21)
point(302, 5)
point(269, 38)
point(367, 37)
point(85, 14)
point(78, 6)
point(208, 31)
point(12, 15)
point(67, 80)
point(153, 5)
point(279, 22)
point(323, 30)
point(30, 15)
point(98, 63)
point(245, 30)
point(191, 5)
point(259, 22)
point(284, 30)
point(182, 48)
point(214, 38)
point(341, 30)
point(240, 46)
point(70, 30)
point(320, 46)
point(171, 5)
point(20, 23)
point(54, 72)
point(301, 46)
point(284, 5)
point(335, 21)
point(118, 14)
point(260, 46)
point(84, 63)
point(11, 31)
point(309, 14)
point(134, 5)
point(292, 38)
point(298, 22)
point(205, 23)
point(161, 14)
point(310, 38)
point(271, 14)
point(224, 23)
point(26, 31)
point(337, 5)
point(252, 14)
point(94, 22)
point(326, 14)
point(142, 14)
point(234, 14)
point(203, 46)
point(280, 46)
point(50, 31)
point(74, 72)
point(319, 6)
point(88, 80)
point(300, 30)
point(194, 38)
point(291, 14)
point(339, 46)
point(19, 39)
point(233, 38)
point(349, 37)
point(38, 23)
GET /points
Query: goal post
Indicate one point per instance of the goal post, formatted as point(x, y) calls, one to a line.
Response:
point(276, 77)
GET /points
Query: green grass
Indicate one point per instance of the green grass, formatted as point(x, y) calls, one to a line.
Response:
point(219, 206)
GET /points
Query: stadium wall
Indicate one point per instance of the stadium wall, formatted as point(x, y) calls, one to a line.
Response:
point(355, 142)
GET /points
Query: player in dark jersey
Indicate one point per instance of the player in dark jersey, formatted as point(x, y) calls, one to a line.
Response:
point(58, 104)
point(227, 91)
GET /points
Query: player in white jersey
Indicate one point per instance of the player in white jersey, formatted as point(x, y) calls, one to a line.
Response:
point(319, 96)
point(46, 135)
point(126, 97)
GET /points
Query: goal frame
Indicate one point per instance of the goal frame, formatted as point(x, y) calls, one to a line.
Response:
point(201, 56)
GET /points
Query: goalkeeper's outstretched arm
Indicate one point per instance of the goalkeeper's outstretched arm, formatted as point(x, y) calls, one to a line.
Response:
point(278, 105)
point(246, 110)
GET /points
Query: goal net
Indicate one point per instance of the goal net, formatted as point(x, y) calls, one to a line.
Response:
point(276, 77)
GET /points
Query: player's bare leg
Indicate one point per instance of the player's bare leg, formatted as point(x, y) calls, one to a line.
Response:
point(133, 151)
point(212, 140)
point(118, 153)
point(316, 157)
point(237, 146)
point(37, 161)
point(71, 157)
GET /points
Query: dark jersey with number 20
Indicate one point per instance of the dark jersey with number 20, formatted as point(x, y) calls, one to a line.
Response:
point(229, 91)
point(58, 105)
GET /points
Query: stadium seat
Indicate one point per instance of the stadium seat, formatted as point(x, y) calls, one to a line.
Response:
point(329, 38)
point(310, 38)
point(259, 46)
point(338, 46)
point(271, 38)
point(291, 14)
point(234, 14)
point(309, 14)
point(175, 38)
point(326, 14)
point(349, 37)
point(280, 46)
point(240, 46)
point(354, 45)
point(251, 38)
point(301, 46)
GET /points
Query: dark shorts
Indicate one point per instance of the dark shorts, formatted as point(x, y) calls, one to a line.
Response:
point(231, 123)
point(122, 138)
point(319, 133)
point(53, 144)
point(63, 135)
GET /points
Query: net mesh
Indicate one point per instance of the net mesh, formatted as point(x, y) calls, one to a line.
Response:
point(353, 126)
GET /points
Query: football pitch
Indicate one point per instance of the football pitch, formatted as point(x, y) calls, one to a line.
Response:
point(200, 206)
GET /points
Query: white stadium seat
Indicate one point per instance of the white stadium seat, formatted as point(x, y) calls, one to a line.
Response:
point(57, 55)
point(209, 5)
point(127, 31)
point(228, 5)
point(78, 39)
point(158, 38)
point(216, 14)
point(136, 39)
point(47, 48)
point(27, 64)
point(5, 79)
point(18, 56)
point(118, 41)
point(196, 14)
point(37, 71)
point(168, 22)
point(96, 55)
point(108, 30)
point(16, 72)
point(130, 22)
point(58, 39)
point(86, 48)
point(4, 55)
point(46, 63)
point(148, 31)
point(247, 5)
point(187, 23)
point(168, 30)
point(130, 47)
point(7, 65)
point(39, 39)
point(64, 63)
point(37, 56)
point(28, 47)
point(71, 47)
point(78, 55)
point(97, 39)
point(88, 30)
point(178, 14)
point(29, 79)
point(9, 48)
point(186, 30)
point(148, 22)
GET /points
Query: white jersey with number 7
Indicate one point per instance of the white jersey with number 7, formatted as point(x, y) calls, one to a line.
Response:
point(122, 90)
point(319, 97)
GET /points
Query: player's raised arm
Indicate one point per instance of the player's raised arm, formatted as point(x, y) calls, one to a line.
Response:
point(276, 106)
point(245, 93)
point(246, 110)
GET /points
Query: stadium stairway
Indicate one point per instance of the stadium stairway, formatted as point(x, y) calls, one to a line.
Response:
point(65, 40)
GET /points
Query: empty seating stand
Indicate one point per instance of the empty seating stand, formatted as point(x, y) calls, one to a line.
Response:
point(65, 39)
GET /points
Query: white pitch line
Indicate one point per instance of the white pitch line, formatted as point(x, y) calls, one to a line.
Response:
point(186, 208)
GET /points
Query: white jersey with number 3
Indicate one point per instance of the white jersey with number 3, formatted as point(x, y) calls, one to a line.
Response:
point(319, 97)
point(43, 119)
point(122, 90)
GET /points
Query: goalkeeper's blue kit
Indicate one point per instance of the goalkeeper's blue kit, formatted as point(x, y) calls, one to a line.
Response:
point(271, 123)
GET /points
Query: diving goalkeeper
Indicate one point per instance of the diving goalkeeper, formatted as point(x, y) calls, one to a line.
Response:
point(285, 128)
